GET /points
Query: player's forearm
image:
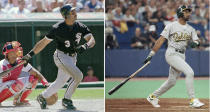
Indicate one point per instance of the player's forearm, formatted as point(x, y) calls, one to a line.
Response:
point(40, 45)
point(158, 44)
point(39, 76)
point(90, 41)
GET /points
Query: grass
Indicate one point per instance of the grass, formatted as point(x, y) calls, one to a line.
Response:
point(142, 88)
point(86, 93)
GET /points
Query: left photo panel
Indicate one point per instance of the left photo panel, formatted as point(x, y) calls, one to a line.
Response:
point(52, 55)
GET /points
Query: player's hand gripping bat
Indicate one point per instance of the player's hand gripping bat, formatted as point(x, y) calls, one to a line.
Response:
point(127, 79)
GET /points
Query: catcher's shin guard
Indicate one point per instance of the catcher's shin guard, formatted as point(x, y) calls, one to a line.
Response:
point(27, 92)
point(6, 93)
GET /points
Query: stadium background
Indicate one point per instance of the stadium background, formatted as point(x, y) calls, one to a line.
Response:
point(27, 21)
point(122, 59)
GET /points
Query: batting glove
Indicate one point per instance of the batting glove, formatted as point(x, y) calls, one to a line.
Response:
point(28, 56)
point(194, 44)
point(81, 48)
point(149, 57)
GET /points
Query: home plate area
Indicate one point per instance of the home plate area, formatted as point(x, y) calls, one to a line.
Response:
point(96, 105)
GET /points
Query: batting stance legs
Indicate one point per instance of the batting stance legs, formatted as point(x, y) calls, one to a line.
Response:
point(66, 68)
point(177, 65)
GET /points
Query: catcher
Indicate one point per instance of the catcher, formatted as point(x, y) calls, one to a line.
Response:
point(12, 84)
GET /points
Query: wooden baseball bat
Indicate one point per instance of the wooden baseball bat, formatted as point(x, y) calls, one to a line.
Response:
point(2, 74)
point(127, 79)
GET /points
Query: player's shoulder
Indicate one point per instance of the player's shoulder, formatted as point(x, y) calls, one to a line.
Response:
point(59, 24)
point(173, 23)
point(79, 24)
point(190, 27)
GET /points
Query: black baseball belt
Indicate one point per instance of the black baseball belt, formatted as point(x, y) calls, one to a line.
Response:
point(180, 51)
point(68, 53)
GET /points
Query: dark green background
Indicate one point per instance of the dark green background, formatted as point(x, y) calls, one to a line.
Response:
point(26, 34)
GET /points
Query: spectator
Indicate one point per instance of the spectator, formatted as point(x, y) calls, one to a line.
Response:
point(202, 10)
point(139, 41)
point(207, 36)
point(59, 4)
point(9, 5)
point(129, 18)
point(111, 40)
point(39, 7)
point(2, 11)
point(152, 35)
point(118, 16)
point(92, 5)
point(31, 4)
point(20, 9)
point(152, 7)
point(196, 16)
point(90, 75)
point(79, 5)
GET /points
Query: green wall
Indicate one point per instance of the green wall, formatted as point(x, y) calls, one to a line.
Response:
point(28, 33)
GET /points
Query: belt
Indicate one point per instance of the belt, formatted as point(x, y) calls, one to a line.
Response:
point(180, 51)
point(69, 54)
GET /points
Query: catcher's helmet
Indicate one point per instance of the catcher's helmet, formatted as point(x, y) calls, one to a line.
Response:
point(180, 10)
point(66, 9)
point(12, 46)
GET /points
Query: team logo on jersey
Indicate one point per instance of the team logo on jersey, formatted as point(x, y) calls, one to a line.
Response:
point(78, 37)
point(180, 36)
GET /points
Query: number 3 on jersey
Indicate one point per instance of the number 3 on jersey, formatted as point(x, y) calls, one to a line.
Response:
point(67, 43)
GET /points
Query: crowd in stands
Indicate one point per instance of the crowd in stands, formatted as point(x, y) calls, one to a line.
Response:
point(149, 18)
point(40, 6)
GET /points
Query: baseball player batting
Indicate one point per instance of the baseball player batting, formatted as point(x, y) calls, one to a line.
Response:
point(67, 35)
point(178, 34)
point(12, 84)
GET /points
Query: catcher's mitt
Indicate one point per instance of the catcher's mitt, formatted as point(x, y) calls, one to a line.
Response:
point(52, 99)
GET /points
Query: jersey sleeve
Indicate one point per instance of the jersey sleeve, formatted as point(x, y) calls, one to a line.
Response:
point(27, 68)
point(194, 35)
point(86, 31)
point(166, 32)
point(51, 33)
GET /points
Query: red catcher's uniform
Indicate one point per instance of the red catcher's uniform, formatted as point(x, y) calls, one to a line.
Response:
point(14, 74)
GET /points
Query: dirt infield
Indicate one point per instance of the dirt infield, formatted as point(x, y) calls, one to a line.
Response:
point(82, 106)
point(142, 105)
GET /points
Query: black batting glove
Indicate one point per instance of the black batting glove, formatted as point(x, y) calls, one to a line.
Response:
point(80, 49)
point(28, 56)
point(149, 57)
point(194, 44)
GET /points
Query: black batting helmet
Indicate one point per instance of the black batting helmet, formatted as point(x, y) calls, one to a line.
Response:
point(180, 10)
point(66, 9)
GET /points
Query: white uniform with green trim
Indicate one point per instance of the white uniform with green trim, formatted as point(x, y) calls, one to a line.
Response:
point(178, 36)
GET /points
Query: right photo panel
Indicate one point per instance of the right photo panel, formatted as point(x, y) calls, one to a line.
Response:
point(157, 56)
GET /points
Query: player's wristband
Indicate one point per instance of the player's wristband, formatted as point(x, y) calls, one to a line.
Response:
point(152, 53)
point(31, 53)
point(86, 46)
point(44, 82)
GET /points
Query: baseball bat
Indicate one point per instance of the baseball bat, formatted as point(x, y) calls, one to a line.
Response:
point(2, 74)
point(127, 79)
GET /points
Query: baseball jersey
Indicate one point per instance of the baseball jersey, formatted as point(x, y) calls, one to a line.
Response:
point(14, 74)
point(178, 35)
point(68, 37)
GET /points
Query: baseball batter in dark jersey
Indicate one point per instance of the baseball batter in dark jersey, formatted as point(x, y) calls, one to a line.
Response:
point(67, 35)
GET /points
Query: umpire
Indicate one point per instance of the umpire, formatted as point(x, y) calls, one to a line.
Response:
point(67, 35)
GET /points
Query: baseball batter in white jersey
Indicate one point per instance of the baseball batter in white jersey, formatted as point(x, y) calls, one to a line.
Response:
point(178, 34)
